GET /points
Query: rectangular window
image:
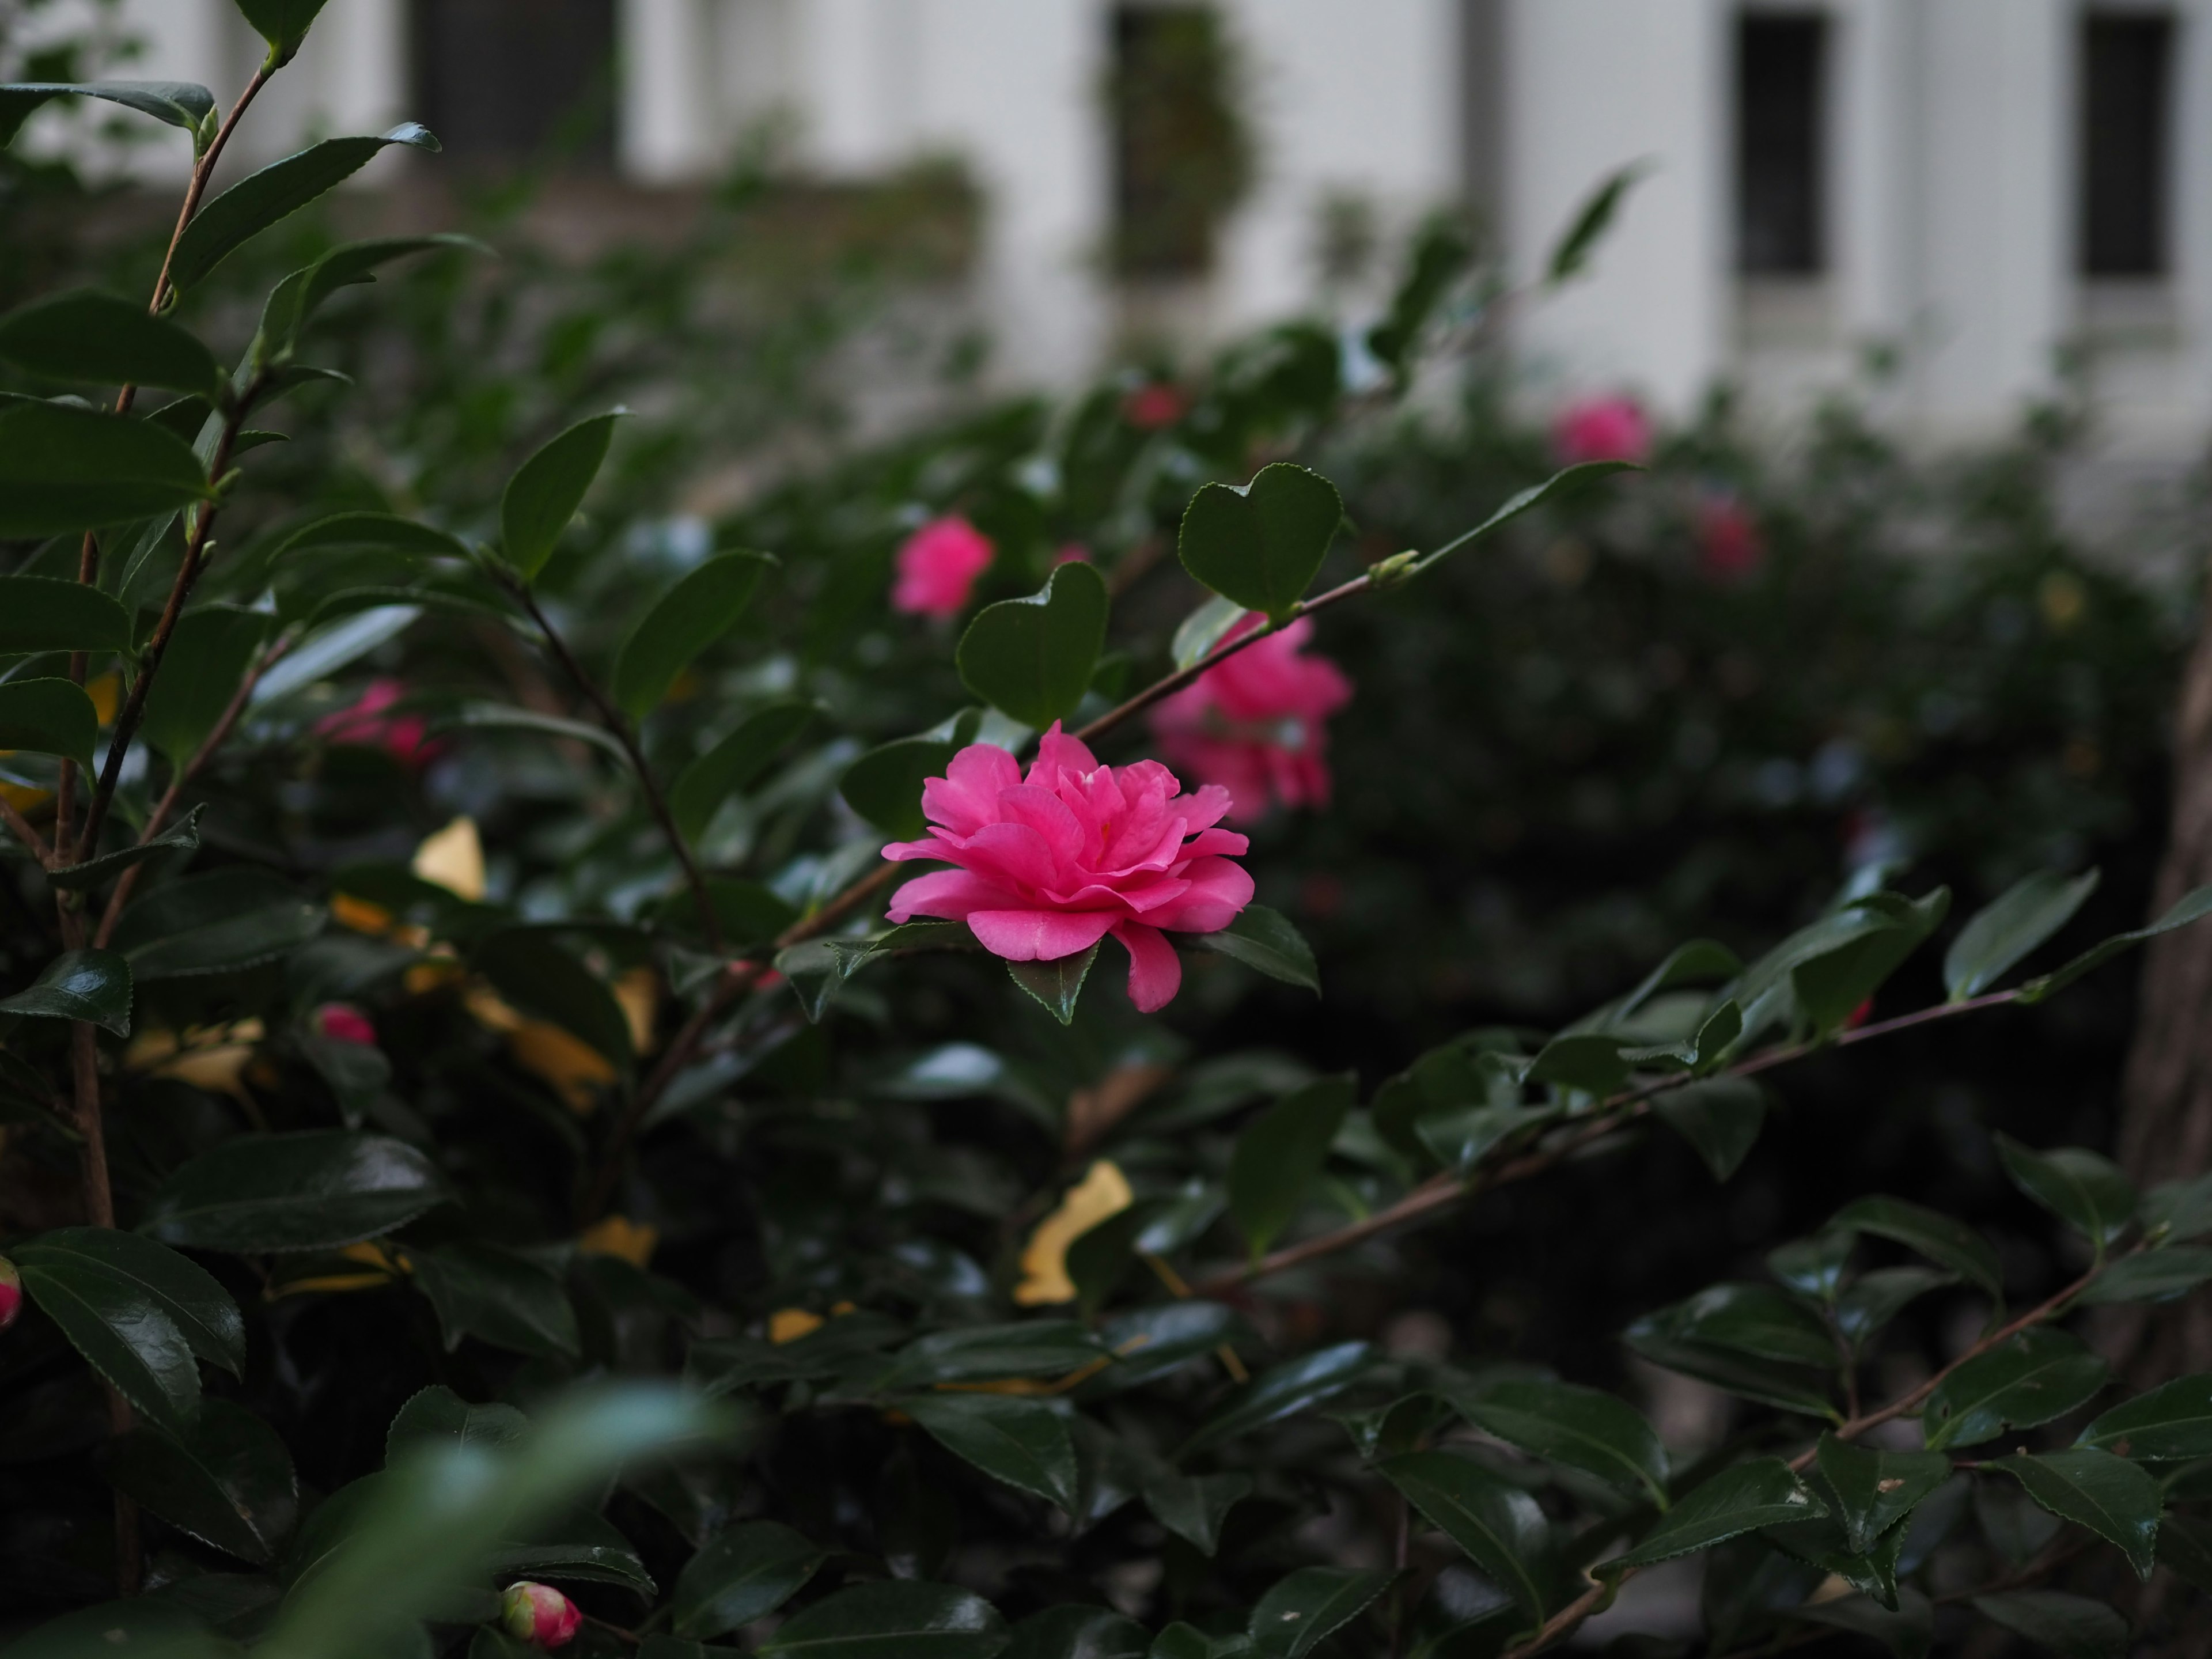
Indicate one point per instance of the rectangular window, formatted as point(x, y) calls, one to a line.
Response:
point(2127, 63)
point(1781, 74)
point(508, 80)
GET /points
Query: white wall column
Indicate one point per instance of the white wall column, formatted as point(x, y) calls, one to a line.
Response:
point(665, 128)
point(1877, 144)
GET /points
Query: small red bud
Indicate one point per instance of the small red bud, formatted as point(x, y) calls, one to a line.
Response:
point(342, 1022)
point(538, 1613)
point(11, 1293)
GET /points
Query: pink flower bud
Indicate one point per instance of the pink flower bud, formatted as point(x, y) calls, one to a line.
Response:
point(937, 567)
point(1602, 429)
point(538, 1613)
point(1156, 405)
point(11, 1293)
point(342, 1023)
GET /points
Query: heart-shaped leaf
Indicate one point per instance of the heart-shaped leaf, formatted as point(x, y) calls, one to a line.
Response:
point(88, 335)
point(1260, 545)
point(1032, 658)
point(684, 621)
point(544, 494)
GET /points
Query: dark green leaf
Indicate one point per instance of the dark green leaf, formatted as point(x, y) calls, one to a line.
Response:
point(1757, 1320)
point(1831, 984)
point(142, 1628)
point(2185, 1548)
point(884, 785)
point(1260, 545)
point(76, 878)
point(355, 532)
point(1461, 1139)
point(1079, 1632)
point(229, 1483)
point(1583, 1428)
point(2171, 1424)
point(436, 1416)
point(1305, 1609)
point(282, 23)
point(1721, 1117)
point(1680, 1339)
point(1499, 1526)
point(2079, 1186)
point(2177, 1209)
point(2030, 1378)
point(1440, 252)
point(1907, 1631)
point(897, 1621)
point(1875, 1299)
point(94, 985)
point(1823, 1544)
point(2155, 1276)
point(497, 1295)
point(543, 979)
point(199, 1307)
point(579, 1546)
point(1032, 657)
point(543, 495)
point(1024, 1443)
point(1942, 1239)
point(1055, 984)
point(735, 761)
point(1814, 1267)
point(314, 1189)
point(125, 1333)
point(275, 192)
point(2070, 1626)
point(216, 924)
point(45, 613)
point(1040, 1347)
point(477, 716)
point(1876, 1490)
point(1279, 1156)
point(1296, 1385)
point(1761, 1493)
point(684, 621)
point(65, 467)
point(742, 1574)
point(179, 103)
point(207, 659)
point(1567, 481)
point(86, 335)
point(1192, 1507)
point(1155, 1340)
point(1570, 254)
point(1266, 941)
point(1993, 940)
point(294, 301)
point(1590, 1061)
point(48, 717)
point(817, 969)
point(2193, 907)
point(2109, 1495)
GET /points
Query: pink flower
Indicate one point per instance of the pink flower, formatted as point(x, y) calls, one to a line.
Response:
point(11, 1293)
point(1155, 404)
point(342, 1023)
point(937, 567)
point(1052, 863)
point(1602, 429)
point(1254, 724)
point(404, 736)
point(539, 1614)
point(1073, 553)
point(1729, 546)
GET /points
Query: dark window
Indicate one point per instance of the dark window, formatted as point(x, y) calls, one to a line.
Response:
point(2126, 73)
point(510, 79)
point(1182, 157)
point(1781, 66)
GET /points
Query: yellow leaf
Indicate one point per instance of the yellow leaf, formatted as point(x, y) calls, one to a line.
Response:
point(212, 1058)
point(422, 978)
point(639, 992)
point(618, 1236)
point(1103, 1192)
point(361, 916)
point(454, 859)
point(382, 1269)
point(23, 797)
point(789, 1324)
point(106, 691)
point(575, 1070)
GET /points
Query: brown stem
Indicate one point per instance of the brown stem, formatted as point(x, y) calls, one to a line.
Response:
point(202, 171)
point(20, 827)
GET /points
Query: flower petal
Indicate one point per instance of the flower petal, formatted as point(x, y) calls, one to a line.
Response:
point(1039, 935)
point(948, 893)
point(1155, 970)
point(1218, 890)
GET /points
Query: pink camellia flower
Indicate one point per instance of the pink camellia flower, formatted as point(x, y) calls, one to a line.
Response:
point(1053, 863)
point(1254, 724)
point(11, 1293)
point(1602, 429)
point(405, 738)
point(342, 1022)
point(1154, 405)
point(539, 1614)
point(938, 566)
point(1729, 546)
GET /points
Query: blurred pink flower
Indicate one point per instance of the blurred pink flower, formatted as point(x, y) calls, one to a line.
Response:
point(405, 738)
point(1053, 863)
point(1073, 553)
point(1728, 544)
point(11, 1293)
point(538, 1614)
point(1602, 429)
point(342, 1023)
point(1155, 404)
point(1254, 724)
point(938, 566)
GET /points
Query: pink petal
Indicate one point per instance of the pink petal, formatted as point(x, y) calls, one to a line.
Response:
point(1218, 890)
point(948, 893)
point(1039, 935)
point(1050, 816)
point(1013, 852)
point(1155, 970)
point(1057, 751)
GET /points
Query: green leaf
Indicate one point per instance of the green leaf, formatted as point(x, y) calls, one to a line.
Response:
point(1266, 941)
point(1281, 1153)
point(1876, 1490)
point(1757, 1320)
point(741, 1575)
point(78, 878)
point(48, 717)
point(1281, 1391)
point(275, 192)
point(1155, 1340)
point(1942, 1239)
point(2185, 1548)
point(93, 985)
point(1440, 252)
point(1907, 1630)
point(2177, 1209)
point(2026, 1380)
point(818, 969)
point(474, 716)
point(436, 1416)
point(1055, 984)
point(2171, 1424)
point(1583, 1428)
point(179, 103)
point(356, 532)
point(282, 23)
point(1813, 1266)
point(65, 467)
point(1994, 939)
point(216, 924)
point(229, 1483)
point(498, 1296)
point(206, 661)
point(1571, 255)
point(1591, 1062)
point(1031, 657)
point(1036, 1347)
point(1875, 1299)
point(1079, 1632)
point(1499, 1526)
point(1762, 1492)
point(141, 1628)
point(1831, 985)
point(543, 979)
point(294, 301)
point(1567, 481)
point(1731, 1335)
point(684, 621)
point(1260, 545)
point(1822, 1543)
point(86, 335)
point(2108, 1495)
point(1193, 1507)
point(2194, 907)
point(895, 1620)
point(2072, 1626)
point(1199, 633)
point(124, 1333)
point(2155, 1276)
point(577, 1545)
point(187, 1293)
point(735, 761)
point(1304, 1610)
point(45, 613)
point(1721, 1117)
point(543, 495)
point(1461, 1139)
point(1024, 1443)
point(884, 785)
point(2080, 1188)
point(312, 1189)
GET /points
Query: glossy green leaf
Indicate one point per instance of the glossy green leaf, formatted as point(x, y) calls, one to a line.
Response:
point(1720, 1117)
point(1823, 1544)
point(1024, 1443)
point(1079, 1632)
point(1302, 1611)
point(1498, 1525)
point(684, 621)
point(2086, 1191)
point(2072, 1626)
point(2193, 907)
point(2109, 1495)
point(2026, 1380)
point(124, 1333)
point(1813, 1266)
point(1057, 984)
point(200, 1309)
point(1193, 1507)
point(436, 1416)
point(1266, 941)
point(1031, 657)
point(542, 979)
point(736, 762)
point(1583, 1428)
point(274, 193)
point(1831, 985)
point(1461, 1139)
point(48, 717)
point(884, 785)
point(1993, 940)
point(45, 613)
point(1749, 1339)
point(1571, 255)
point(1279, 1156)
point(229, 1483)
point(498, 1296)
point(895, 1620)
point(576, 1546)
point(1260, 545)
point(66, 468)
point(1568, 481)
point(741, 1575)
point(1199, 633)
point(543, 495)
point(215, 923)
point(1875, 1299)
point(1155, 1340)
point(1035, 1347)
point(206, 661)
point(88, 335)
point(311, 1189)
point(93, 985)
point(2171, 1424)
point(182, 837)
point(1762, 1492)
point(183, 104)
point(294, 301)
point(1284, 1390)
point(2177, 1209)
point(2155, 1276)
point(282, 23)
point(1943, 1239)
point(1874, 1489)
point(1592, 1062)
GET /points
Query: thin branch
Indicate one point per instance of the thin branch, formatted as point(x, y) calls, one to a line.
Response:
point(202, 171)
point(20, 827)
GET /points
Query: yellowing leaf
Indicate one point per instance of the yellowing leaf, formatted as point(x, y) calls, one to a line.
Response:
point(422, 978)
point(382, 1267)
point(789, 1324)
point(212, 1058)
point(1103, 1192)
point(361, 916)
point(577, 1071)
point(618, 1236)
point(23, 797)
point(106, 691)
point(638, 991)
point(454, 859)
